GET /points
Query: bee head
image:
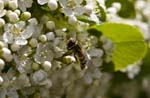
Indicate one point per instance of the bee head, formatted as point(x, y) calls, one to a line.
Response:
point(71, 43)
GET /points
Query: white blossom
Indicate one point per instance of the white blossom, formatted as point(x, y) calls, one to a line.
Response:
point(39, 76)
point(24, 4)
point(18, 33)
point(43, 53)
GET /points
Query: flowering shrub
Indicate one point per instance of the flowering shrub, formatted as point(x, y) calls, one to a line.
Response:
point(109, 51)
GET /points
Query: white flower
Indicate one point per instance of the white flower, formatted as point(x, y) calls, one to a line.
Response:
point(24, 4)
point(94, 52)
point(133, 69)
point(52, 4)
point(71, 7)
point(43, 53)
point(23, 60)
point(39, 76)
point(97, 62)
point(88, 78)
point(23, 81)
point(19, 32)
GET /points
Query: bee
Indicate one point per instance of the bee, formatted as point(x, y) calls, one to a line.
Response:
point(77, 51)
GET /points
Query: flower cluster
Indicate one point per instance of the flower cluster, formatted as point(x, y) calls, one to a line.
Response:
point(32, 45)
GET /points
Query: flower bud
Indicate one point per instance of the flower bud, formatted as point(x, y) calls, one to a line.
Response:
point(72, 19)
point(88, 9)
point(17, 12)
point(50, 36)
point(25, 15)
point(2, 22)
point(47, 65)
point(6, 53)
point(2, 45)
point(35, 66)
point(39, 76)
point(52, 4)
point(69, 59)
point(3, 12)
point(1, 5)
point(117, 6)
point(13, 4)
point(33, 42)
point(15, 47)
point(1, 80)
point(43, 38)
point(2, 64)
point(13, 17)
point(50, 25)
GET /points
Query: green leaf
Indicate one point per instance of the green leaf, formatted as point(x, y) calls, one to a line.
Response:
point(146, 65)
point(129, 45)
